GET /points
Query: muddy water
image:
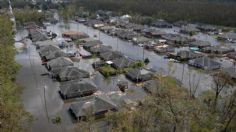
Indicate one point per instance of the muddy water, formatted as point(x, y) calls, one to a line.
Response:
point(157, 62)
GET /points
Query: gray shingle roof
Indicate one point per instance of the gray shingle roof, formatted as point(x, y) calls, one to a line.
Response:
point(72, 73)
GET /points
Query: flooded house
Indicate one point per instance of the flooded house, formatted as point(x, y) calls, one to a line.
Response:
point(151, 86)
point(229, 37)
point(199, 44)
point(95, 105)
point(47, 50)
point(126, 35)
point(54, 55)
point(207, 28)
point(90, 44)
point(231, 71)
point(139, 75)
point(162, 24)
point(122, 62)
point(232, 55)
point(74, 35)
point(189, 29)
point(205, 63)
point(37, 35)
point(140, 40)
point(40, 44)
point(76, 89)
point(100, 49)
point(59, 63)
point(176, 39)
point(185, 55)
point(218, 49)
point(110, 55)
point(163, 49)
point(180, 23)
point(152, 33)
point(71, 73)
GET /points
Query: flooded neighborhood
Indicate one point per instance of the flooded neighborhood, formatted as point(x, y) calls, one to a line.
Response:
point(103, 71)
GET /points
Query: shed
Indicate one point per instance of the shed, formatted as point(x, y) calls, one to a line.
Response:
point(76, 89)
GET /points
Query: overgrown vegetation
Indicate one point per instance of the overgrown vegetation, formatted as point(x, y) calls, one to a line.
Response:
point(219, 12)
point(12, 115)
point(28, 15)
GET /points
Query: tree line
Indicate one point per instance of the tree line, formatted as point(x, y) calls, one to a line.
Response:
point(217, 12)
point(12, 115)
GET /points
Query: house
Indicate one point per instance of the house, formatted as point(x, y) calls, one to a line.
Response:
point(152, 33)
point(218, 49)
point(47, 50)
point(37, 35)
point(139, 75)
point(95, 105)
point(230, 37)
point(151, 86)
point(122, 62)
point(90, 44)
point(200, 44)
point(185, 55)
point(205, 63)
point(75, 89)
point(161, 24)
point(176, 39)
point(110, 55)
point(231, 71)
point(54, 55)
point(100, 49)
point(162, 49)
point(207, 28)
point(74, 35)
point(232, 55)
point(40, 44)
point(189, 29)
point(59, 63)
point(140, 40)
point(71, 73)
point(180, 23)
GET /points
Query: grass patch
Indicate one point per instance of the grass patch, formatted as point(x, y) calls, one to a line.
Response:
point(107, 71)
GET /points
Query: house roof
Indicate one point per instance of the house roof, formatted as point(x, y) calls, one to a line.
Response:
point(122, 62)
point(55, 54)
point(94, 104)
point(205, 63)
point(47, 49)
point(78, 87)
point(60, 62)
point(100, 49)
point(73, 72)
point(151, 86)
point(111, 55)
point(139, 74)
point(188, 54)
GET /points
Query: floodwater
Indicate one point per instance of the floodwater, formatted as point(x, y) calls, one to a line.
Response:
point(157, 62)
point(40, 94)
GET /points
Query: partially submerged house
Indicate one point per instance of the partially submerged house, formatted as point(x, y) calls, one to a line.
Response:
point(200, 44)
point(151, 86)
point(230, 37)
point(90, 44)
point(185, 55)
point(93, 105)
point(152, 33)
point(163, 49)
point(72, 73)
point(59, 63)
point(139, 75)
point(176, 39)
point(54, 54)
point(74, 35)
point(140, 40)
point(205, 63)
point(110, 55)
point(161, 24)
point(122, 62)
point(78, 89)
point(37, 35)
point(47, 50)
point(218, 49)
point(232, 55)
point(189, 29)
point(207, 28)
point(100, 49)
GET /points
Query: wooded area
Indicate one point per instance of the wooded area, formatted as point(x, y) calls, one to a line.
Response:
point(218, 12)
point(12, 115)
